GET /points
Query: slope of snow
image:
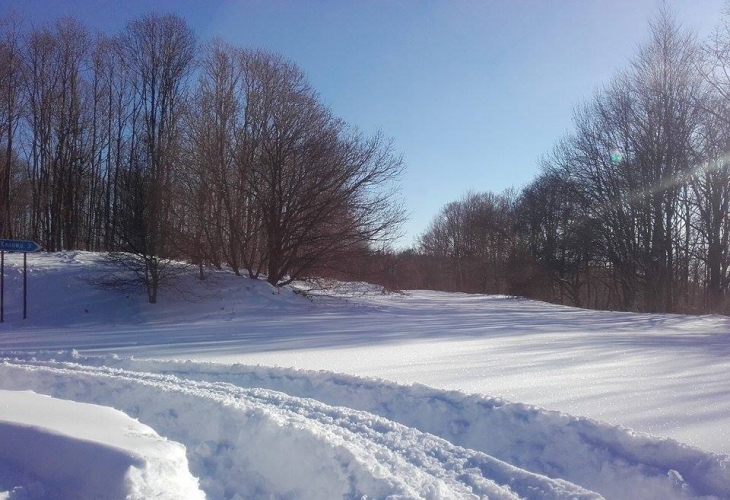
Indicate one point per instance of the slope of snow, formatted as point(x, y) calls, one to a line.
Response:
point(64, 450)
point(661, 374)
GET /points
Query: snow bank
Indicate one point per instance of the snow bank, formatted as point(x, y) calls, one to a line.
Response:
point(255, 442)
point(614, 461)
point(66, 450)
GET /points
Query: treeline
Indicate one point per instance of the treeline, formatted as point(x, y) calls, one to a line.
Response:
point(155, 147)
point(631, 210)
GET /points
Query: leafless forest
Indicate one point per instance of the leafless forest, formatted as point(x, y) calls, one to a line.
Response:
point(630, 210)
point(153, 146)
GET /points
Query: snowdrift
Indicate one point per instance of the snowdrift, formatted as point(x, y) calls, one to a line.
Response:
point(64, 450)
point(244, 425)
point(256, 443)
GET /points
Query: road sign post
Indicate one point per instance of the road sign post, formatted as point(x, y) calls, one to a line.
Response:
point(25, 285)
point(15, 246)
point(2, 285)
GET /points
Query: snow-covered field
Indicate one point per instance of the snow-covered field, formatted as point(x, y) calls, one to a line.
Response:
point(258, 422)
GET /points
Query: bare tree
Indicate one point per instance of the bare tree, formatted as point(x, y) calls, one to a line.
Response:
point(711, 177)
point(471, 241)
point(11, 88)
point(57, 125)
point(321, 189)
point(218, 139)
point(560, 234)
point(158, 55)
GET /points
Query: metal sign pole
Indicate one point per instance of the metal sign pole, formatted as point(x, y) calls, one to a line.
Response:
point(2, 286)
point(15, 246)
point(25, 285)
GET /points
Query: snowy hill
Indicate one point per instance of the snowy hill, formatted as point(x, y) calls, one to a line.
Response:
point(254, 431)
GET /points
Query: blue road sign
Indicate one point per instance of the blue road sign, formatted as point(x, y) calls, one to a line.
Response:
point(19, 246)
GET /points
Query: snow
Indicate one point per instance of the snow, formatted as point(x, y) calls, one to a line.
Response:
point(355, 392)
point(70, 450)
point(258, 442)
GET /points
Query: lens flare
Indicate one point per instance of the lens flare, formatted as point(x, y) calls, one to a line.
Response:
point(616, 156)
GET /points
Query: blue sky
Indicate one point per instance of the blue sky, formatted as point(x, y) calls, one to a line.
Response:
point(472, 92)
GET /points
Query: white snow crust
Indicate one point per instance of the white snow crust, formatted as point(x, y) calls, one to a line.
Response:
point(77, 451)
point(432, 431)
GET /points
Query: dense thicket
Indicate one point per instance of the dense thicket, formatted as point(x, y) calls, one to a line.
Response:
point(154, 147)
point(631, 210)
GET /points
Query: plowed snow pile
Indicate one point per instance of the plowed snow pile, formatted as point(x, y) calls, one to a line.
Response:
point(251, 431)
point(51, 448)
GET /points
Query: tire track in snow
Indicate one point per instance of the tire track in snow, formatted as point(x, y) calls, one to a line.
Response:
point(614, 461)
point(252, 442)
